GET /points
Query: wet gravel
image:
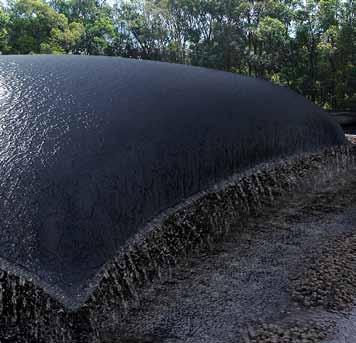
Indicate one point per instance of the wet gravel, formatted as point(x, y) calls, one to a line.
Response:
point(274, 334)
point(330, 280)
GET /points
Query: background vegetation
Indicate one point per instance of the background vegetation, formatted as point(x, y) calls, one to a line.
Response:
point(308, 45)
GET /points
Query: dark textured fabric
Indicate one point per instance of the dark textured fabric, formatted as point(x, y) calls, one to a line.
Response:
point(91, 148)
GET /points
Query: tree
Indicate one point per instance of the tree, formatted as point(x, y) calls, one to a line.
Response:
point(4, 21)
point(36, 27)
point(97, 27)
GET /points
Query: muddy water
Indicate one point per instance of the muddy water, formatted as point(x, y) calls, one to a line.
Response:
point(246, 279)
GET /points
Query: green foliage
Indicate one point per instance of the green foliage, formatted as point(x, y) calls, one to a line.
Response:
point(4, 22)
point(308, 45)
point(36, 27)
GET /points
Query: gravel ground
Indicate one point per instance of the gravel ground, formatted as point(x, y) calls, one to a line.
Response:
point(288, 274)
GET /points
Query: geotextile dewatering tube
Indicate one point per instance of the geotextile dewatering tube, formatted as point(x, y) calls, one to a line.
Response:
point(96, 151)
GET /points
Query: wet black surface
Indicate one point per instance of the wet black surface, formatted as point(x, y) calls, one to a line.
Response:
point(92, 148)
point(347, 118)
point(350, 129)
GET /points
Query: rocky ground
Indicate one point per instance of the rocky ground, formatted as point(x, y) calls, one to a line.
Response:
point(287, 275)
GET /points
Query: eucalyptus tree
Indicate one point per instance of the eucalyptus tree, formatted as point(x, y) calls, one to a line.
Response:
point(346, 90)
point(95, 16)
point(35, 27)
point(143, 22)
point(4, 21)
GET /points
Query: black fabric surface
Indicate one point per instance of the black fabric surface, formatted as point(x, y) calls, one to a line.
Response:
point(91, 148)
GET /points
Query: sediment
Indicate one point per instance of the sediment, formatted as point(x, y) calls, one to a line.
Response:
point(329, 280)
point(272, 333)
point(28, 313)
